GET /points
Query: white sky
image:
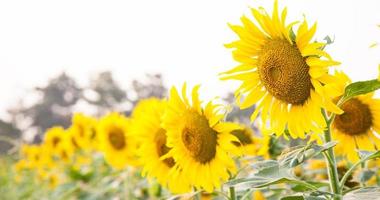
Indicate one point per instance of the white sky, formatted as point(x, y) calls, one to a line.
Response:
point(183, 40)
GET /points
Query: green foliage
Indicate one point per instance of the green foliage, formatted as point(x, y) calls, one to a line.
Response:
point(363, 193)
point(300, 154)
point(361, 87)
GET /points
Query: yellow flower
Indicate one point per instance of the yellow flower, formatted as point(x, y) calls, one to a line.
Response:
point(53, 181)
point(53, 137)
point(20, 165)
point(249, 143)
point(258, 195)
point(116, 142)
point(84, 131)
point(146, 126)
point(357, 127)
point(200, 142)
point(287, 77)
point(36, 156)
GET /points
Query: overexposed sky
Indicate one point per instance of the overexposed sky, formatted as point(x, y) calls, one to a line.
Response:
point(181, 39)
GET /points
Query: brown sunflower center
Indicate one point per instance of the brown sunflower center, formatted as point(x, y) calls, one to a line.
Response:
point(161, 147)
point(284, 72)
point(93, 133)
point(243, 136)
point(356, 119)
point(80, 130)
point(64, 155)
point(117, 138)
point(56, 141)
point(74, 142)
point(199, 138)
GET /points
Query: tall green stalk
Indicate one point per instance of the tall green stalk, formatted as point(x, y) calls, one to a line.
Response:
point(232, 193)
point(331, 162)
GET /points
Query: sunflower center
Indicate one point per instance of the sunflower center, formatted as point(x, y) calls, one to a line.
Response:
point(117, 138)
point(284, 72)
point(161, 147)
point(56, 140)
point(243, 137)
point(199, 138)
point(74, 142)
point(93, 133)
point(356, 119)
point(80, 130)
point(64, 155)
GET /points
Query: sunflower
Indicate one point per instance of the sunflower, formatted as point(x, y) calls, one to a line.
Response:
point(36, 156)
point(66, 147)
point(53, 139)
point(115, 140)
point(284, 73)
point(84, 131)
point(249, 143)
point(200, 142)
point(146, 126)
point(359, 125)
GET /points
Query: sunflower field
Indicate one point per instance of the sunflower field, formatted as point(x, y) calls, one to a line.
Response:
point(313, 133)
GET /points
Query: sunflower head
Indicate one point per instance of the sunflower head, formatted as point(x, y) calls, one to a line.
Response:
point(146, 127)
point(116, 142)
point(199, 141)
point(356, 119)
point(283, 72)
point(249, 143)
point(53, 138)
point(83, 129)
point(356, 127)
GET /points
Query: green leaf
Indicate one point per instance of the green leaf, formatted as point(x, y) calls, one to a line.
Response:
point(329, 40)
point(364, 156)
point(300, 154)
point(297, 197)
point(361, 87)
point(302, 188)
point(268, 173)
point(302, 197)
point(368, 155)
point(363, 193)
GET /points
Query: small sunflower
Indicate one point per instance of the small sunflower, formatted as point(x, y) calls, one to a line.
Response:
point(359, 125)
point(36, 156)
point(115, 140)
point(84, 131)
point(200, 142)
point(146, 125)
point(66, 147)
point(249, 143)
point(285, 74)
point(53, 139)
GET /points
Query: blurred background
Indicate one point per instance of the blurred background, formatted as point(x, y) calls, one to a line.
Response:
point(60, 57)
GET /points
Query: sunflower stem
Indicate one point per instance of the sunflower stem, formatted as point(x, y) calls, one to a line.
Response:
point(232, 193)
point(331, 162)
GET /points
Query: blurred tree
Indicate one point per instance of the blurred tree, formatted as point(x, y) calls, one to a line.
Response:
point(105, 93)
point(8, 134)
point(53, 107)
point(60, 97)
point(152, 87)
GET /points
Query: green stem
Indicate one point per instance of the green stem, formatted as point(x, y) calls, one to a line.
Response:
point(347, 175)
point(232, 193)
point(330, 159)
